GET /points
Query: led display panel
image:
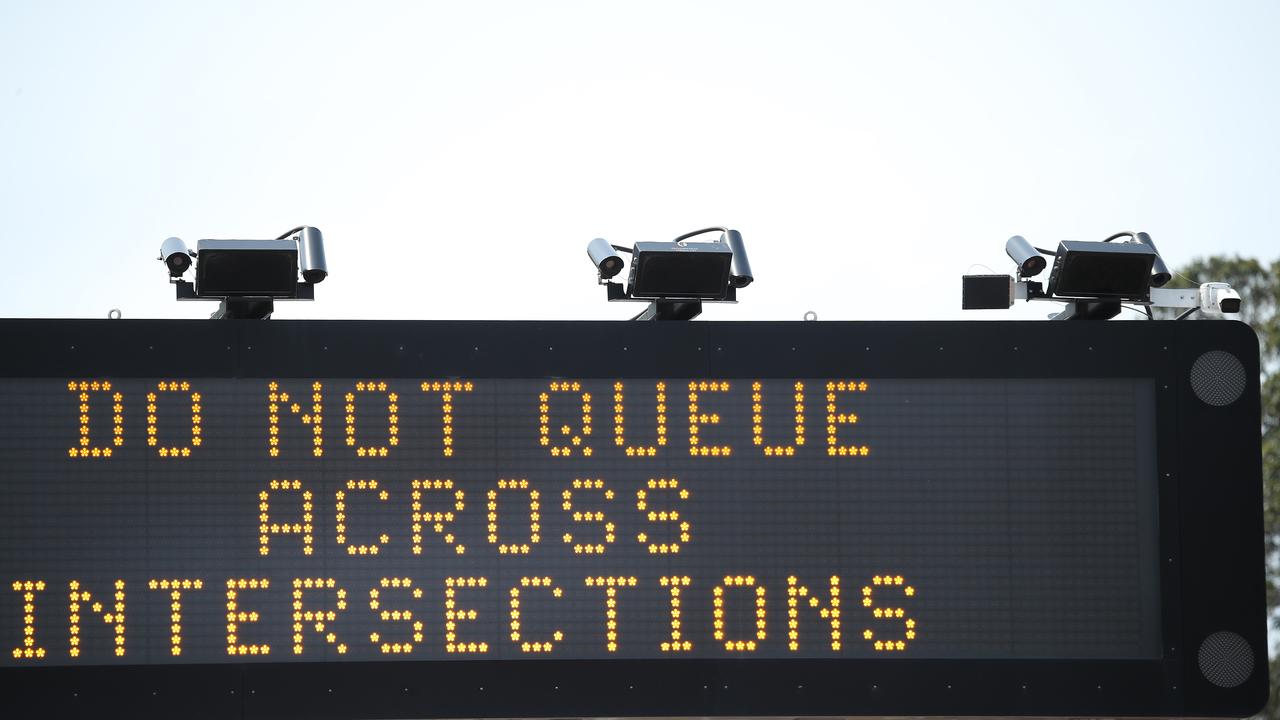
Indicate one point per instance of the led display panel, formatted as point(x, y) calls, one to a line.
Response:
point(748, 519)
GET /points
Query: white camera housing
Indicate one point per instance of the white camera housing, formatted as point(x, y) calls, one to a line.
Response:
point(176, 256)
point(1218, 299)
point(605, 258)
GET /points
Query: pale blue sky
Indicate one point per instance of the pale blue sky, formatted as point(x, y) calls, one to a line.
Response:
point(459, 156)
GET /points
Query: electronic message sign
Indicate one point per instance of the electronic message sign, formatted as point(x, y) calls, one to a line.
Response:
point(387, 519)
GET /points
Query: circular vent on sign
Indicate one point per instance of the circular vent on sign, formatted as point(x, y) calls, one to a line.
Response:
point(1218, 378)
point(1225, 659)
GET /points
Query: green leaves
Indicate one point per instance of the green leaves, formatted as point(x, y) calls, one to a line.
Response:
point(1259, 291)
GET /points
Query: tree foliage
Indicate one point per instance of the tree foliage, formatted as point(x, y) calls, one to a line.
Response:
point(1259, 288)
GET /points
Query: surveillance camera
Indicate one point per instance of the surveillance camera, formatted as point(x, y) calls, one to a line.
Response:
point(311, 255)
point(1218, 299)
point(740, 274)
point(1029, 260)
point(176, 256)
point(1160, 275)
point(604, 257)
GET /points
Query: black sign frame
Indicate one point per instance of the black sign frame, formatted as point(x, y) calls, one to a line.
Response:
point(1210, 497)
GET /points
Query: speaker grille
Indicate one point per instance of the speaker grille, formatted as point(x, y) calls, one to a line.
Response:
point(1218, 378)
point(1226, 659)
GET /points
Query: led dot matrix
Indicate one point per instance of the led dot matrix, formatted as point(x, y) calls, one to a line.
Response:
point(440, 503)
point(317, 618)
point(698, 419)
point(446, 390)
point(596, 516)
point(619, 422)
point(889, 613)
point(441, 519)
point(544, 646)
point(28, 588)
point(562, 441)
point(393, 419)
point(642, 504)
point(153, 426)
point(757, 421)
point(340, 517)
point(375, 603)
point(718, 602)
point(237, 617)
point(453, 615)
point(175, 589)
point(566, 431)
point(836, 418)
point(85, 448)
point(114, 617)
point(677, 643)
point(266, 528)
point(831, 612)
point(534, 517)
point(611, 586)
point(276, 398)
